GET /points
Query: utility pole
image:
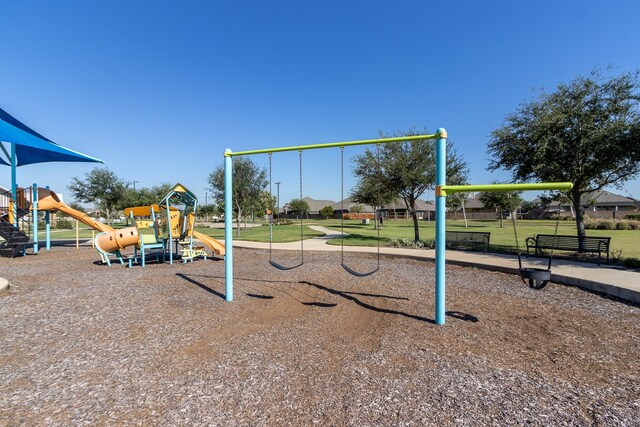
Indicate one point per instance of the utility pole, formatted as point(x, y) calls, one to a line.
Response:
point(134, 184)
point(278, 199)
point(206, 203)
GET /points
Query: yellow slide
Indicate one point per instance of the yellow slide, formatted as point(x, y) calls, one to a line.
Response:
point(216, 246)
point(53, 202)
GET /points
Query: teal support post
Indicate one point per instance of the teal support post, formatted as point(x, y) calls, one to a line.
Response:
point(228, 219)
point(34, 217)
point(47, 227)
point(14, 184)
point(170, 233)
point(441, 218)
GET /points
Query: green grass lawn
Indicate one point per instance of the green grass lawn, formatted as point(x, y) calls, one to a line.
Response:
point(502, 239)
point(281, 233)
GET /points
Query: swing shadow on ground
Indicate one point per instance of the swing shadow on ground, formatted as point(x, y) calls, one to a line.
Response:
point(346, 295)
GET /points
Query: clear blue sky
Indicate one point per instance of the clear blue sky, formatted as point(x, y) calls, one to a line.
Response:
point(159, 89)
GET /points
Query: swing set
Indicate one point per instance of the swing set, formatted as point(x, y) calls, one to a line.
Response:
point(537, 277)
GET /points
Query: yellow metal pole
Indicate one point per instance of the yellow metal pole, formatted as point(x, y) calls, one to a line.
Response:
point(93, 236)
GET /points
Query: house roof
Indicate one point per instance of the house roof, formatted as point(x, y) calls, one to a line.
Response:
point(348, 204)
point(473, 203)
point(601, 198)
point(605, 198)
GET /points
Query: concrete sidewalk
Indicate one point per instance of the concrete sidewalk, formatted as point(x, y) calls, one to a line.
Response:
point(610, 280)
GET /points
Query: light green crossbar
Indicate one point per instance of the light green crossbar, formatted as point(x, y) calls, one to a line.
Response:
point(444, 190)
point(332, 144)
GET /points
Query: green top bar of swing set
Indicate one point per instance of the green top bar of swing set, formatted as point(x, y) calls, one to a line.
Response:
point(450, 189)
point(335, 144)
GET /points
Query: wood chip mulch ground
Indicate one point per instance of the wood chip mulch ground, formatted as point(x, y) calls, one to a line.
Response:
point(86, 344)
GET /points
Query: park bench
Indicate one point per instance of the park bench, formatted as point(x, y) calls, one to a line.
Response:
point(469, 238)
point(588, 244)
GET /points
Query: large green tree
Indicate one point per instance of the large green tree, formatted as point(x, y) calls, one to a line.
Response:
point(407, 169)
point(372, 188)
point(101, 187)
point(501, 201)
point(586, 132)
point(249, 181)
point(145, 196)
point(299, 206)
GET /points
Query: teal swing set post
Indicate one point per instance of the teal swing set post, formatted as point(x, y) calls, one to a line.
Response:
point(442, 190)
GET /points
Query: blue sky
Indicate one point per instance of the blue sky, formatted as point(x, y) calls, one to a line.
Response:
point(159, 89)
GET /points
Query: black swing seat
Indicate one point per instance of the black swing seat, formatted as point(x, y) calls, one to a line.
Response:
point(282, 267)
point(357, 274)
point(536, 278)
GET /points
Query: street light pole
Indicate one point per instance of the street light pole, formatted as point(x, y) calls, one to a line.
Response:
point(134, 185)
point(206, 203)
point(278, 199)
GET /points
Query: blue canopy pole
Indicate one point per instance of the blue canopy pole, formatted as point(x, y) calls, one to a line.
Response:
point(47, 226)
point(34, 216)
point(14, 184)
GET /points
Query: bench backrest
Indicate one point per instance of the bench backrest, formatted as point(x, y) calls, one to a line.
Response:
point(550, 241)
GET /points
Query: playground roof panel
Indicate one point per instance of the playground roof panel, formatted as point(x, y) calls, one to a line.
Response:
point(31, 147)
point(181, 193)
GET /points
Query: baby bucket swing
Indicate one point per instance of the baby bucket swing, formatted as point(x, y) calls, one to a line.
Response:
point(536, 278)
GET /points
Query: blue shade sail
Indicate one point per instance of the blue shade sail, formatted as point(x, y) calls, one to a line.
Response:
point(31, 147)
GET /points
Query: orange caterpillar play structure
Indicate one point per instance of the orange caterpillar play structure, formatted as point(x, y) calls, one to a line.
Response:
point(172, 221)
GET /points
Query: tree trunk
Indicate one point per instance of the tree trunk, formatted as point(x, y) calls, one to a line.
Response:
point(500, 213)
point(238, 223)
point(416, 229)
point(575, 201)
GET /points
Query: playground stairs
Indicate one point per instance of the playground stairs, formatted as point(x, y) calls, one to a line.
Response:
point(16, 241)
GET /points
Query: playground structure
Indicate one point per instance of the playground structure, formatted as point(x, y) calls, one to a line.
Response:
point(442, 190)
point(172, 221)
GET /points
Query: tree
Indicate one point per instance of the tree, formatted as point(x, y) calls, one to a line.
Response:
point(299, 206)
point(408, 168)
point(326, 212)
point(101, 187)
point(357, 209)
point(501, 200)
point(372, 188)
point(249, 180)
point(528, 205)
point(586, 132)
point(265, 202)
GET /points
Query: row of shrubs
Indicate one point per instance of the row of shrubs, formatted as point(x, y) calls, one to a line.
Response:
point(59, 224)
point(413, 244)
point(610, 224)
point(631, 223)
point(282, 221)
